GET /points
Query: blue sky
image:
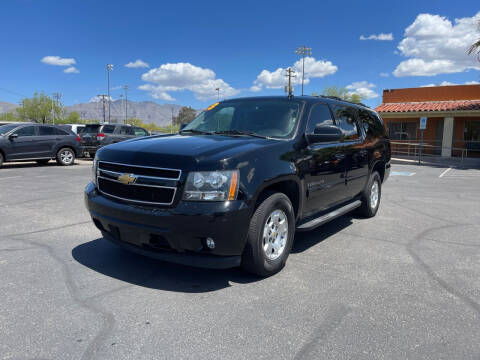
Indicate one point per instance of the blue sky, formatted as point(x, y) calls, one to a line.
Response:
point(192, 47)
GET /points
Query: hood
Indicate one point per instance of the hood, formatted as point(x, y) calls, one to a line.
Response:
point(180, 151)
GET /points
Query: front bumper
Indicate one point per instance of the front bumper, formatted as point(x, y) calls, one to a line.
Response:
point(176, 234)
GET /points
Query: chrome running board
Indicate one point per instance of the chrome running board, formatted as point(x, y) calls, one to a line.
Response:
point(329, 216)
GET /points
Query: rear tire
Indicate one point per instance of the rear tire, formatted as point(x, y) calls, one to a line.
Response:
point(65, 157)
point(1, 159)
point(42, 162)
point(371, 196)
point(270, 236)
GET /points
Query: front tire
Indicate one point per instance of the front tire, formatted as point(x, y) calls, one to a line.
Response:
point(65, 157)
point(371, 196)
point(270, 236)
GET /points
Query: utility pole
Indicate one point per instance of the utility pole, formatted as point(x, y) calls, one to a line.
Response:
point(103, 102)
point(126, 102)
point(289, 75)
point(304, 51)
point(121, 104)
point(218, 93)
point(109, 68)
point(171, 127)
point(57, 97)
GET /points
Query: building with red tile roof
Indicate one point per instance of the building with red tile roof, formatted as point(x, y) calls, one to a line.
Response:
point(453, 118)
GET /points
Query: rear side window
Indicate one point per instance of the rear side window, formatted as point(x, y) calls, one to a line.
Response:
point(320, 115)
point(61, 132)
point(46, 131)
point(345, 117)
point(371, 123)
point(26, 131)
point(108, 129)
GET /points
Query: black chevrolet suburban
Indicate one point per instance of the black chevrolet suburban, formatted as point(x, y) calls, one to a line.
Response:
point(233, 187)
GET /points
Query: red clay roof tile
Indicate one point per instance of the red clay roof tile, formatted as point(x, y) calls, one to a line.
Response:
point(430, 106)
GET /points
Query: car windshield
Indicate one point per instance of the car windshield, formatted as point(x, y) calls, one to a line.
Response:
point(90, 129)
point(275, 118)
point(6, 128)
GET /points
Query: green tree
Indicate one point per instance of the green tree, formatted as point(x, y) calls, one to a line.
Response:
point(39, 108)
point(10, 116)
point(342, 93)
point(135, 122)
point(72, 118)
point(185, 115)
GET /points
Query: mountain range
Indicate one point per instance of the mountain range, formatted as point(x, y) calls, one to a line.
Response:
point(147, 111)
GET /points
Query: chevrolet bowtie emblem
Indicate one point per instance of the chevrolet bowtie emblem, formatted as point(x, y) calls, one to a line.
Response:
point(127, 179)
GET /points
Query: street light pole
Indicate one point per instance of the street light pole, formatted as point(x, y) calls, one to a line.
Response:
point(109, 68)
point(304, 51)
point(218, 93)
point(126, 103)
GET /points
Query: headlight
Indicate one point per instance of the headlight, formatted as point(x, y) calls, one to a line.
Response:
point(94, 170)
point(211, 186)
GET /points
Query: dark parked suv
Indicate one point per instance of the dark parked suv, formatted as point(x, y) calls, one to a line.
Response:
point(234, 185)
point(38, 142)
point(95, 136)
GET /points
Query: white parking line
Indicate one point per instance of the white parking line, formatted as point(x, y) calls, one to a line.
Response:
point(9, 177)
point(446, 171)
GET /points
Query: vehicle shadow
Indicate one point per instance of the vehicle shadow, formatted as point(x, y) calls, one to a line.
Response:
point(30, 164)
point(306, 239)
point(108, 259)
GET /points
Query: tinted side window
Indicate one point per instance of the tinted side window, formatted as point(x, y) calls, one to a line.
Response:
point(26, 131)
point(129, 130)
point(345, 117)
point(46, 131)
point(371, 123)
point(61, 132)
point(140, 132)
point(108, 129)
point(320, 115)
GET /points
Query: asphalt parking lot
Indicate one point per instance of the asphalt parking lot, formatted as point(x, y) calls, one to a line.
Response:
point(403, 285)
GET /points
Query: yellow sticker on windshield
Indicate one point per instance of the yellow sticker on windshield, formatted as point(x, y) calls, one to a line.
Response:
point(212, 106)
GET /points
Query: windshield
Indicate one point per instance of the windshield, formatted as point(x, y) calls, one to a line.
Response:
point(266, 117)
point(6, 128)
point(90, 129)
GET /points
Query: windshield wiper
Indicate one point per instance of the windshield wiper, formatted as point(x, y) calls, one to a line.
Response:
point(240, 132)
point(195, 131)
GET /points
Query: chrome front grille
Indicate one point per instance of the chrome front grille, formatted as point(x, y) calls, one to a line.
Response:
point(138, 184)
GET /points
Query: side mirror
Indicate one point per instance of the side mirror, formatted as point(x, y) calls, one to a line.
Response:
point(324, 133)
point(13, 136)
point(182, 126)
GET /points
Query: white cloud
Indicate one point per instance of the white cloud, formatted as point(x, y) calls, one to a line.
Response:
point(71, 70)
point(362, 88)
point(98, 98)
point(381, 37)
point(137, 64)
point(58, 61)
point(384, 74)
point(448, 83)
point(435, 45)
point(185, 76)
point(276, 79)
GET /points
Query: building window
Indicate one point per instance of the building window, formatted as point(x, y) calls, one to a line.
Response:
point(472, 130)
point(402, 130)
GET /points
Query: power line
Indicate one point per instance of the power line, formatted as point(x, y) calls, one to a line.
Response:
point(289, 75)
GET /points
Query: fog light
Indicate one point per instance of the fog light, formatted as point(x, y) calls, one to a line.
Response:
point(210, 243)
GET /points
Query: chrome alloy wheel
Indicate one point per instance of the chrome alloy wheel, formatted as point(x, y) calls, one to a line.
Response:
point(374, 194)
point(275, 234)
point(66, 156)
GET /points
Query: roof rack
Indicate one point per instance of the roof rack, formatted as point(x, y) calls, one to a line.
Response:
point(340, 99)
